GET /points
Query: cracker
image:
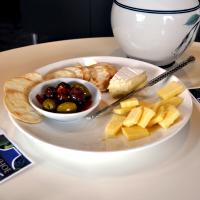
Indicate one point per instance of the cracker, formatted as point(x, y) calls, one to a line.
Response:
point(19, 84)
point(17, 104)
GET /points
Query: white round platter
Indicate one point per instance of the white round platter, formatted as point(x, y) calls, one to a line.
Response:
point(86, 137)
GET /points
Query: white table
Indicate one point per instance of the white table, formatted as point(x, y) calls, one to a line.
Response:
point(170, 170)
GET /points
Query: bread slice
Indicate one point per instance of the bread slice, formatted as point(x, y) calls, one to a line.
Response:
point(101, 73)
point(33, 76)
point(60, 73)
point(78, 70)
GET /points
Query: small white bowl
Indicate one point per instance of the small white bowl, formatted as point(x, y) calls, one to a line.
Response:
point(39, 89)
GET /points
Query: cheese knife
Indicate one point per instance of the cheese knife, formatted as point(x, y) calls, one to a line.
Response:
point(150, 83)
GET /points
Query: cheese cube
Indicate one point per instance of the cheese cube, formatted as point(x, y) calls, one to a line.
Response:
point(158, 117)
point(176, 101)
point(155, 106)
point(171, 89)
point(122, 111)
point(131, 102)
point(147, 115)
point(133, 117)
point(172, 114)
point(135, 132)
point(146, 104)
point(172, 101)
point(114, 125)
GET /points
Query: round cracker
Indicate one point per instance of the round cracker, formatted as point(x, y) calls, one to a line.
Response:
point(19, 84)
point(17, 104)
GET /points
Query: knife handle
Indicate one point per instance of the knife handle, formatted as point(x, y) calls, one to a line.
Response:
point(170, 71)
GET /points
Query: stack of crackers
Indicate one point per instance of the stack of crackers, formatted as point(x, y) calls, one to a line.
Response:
point(17, 89)
point(16, 97)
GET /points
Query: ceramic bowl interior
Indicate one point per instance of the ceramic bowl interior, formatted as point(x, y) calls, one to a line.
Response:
point(39, 89)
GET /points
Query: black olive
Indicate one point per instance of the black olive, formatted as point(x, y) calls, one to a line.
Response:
point(50, 92)
point(85, 90)
point(63, 88)
point(77, 95)
point(63, 97)
point(40, 98)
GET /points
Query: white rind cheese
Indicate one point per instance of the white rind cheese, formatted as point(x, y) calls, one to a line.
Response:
point(126, 80)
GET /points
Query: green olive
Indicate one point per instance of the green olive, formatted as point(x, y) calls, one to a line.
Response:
point(85, 90)
point(49, 105)
point(67, 107)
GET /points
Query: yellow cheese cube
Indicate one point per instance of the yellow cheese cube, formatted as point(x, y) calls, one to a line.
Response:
point(114, 125)
point(147, 115)
point(171, 89)
point(176, 100)
point(133, 117)
point(155, 106)
point(146, 104)
point(171, 115)
point(135, 132)
point(122, 111)
point(172, 101)
point(158, 117)
point(131, 102)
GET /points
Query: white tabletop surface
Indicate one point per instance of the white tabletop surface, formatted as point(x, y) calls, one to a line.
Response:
point(170, 170)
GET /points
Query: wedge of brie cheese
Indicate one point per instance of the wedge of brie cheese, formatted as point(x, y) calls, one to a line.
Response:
point(126, 80)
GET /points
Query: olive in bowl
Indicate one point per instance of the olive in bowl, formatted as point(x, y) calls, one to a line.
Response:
point(65, 99)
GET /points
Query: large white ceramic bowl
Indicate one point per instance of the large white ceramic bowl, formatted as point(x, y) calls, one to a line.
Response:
point(155, 31)
point(39, 89)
